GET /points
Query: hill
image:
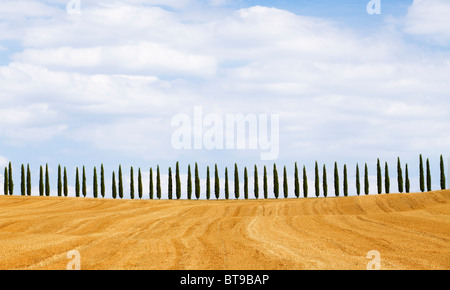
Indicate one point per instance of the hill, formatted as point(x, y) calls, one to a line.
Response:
point(410, 231)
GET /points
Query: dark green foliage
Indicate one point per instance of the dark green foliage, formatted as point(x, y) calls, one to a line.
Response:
point(442, 173)
point(94, 183)
point(305, 183)
point(399, 176)
point(296, 182)
point(59, 185)
point(131, 183)
point(245, 183)
point(366, 180)
point(22, 181)
point(336, 179)
point(102, 181)
point(28, 180)
point(140, 188)
point(169, 185)
point(227, 190)
point(158, 183)
point(177, 181)
point(276, 186)
point(6, 181)
point(83, 185)
point(421, 174)
point(197, 182)
point(208, 184)
point(66, 185)
point(325, 181)
point(10, 180)
point(265, 187)
point(387, 180)
point(236, 181)
point(379, 178)
point(345, 181)
point(316, 180)
point(120, 182)
point(150, 189)
point(114, 189)
point(428, 175)
point(77, 183)
point(47, 181)
point(189, 183)
point(407, 183)
point(216, 182)
point(285, 183)
point(358, 181)
point(255, 183)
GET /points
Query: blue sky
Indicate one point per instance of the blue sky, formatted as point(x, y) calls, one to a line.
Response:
point(102, 85)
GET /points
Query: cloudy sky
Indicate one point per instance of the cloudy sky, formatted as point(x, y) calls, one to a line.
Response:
point(102, 83)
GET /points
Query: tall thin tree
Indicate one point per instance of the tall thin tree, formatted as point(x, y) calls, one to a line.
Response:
point(336, 179)
point(216, 182)
point(255, 182)
point(28, 180)
point(316, 179)
point(66, 185)
point(305, 182)
point(131, 183)
point(22, 181)
point(177, 181)
point(114, 189)
point(236, 181)
point(77, 183)
point(150, 186)
point(6, 181)
point(265, 187)
point(10, 180)
point(399, 175)
point(120, 182)
point(276, 186)
point(325, 181)
point(169, 184)
point(189, 183)
point(59, 181)
point(245, 183)
point(421, 174)
point(428, 175)
point(296, 182)
point(158, 183)
point(102, 181)
point(407, 183)
point(208, 184)
point(197, 182)
point(379, 177)
point(358, 181)
point(227, 190)
point(47, 181)
point(366, 180)
point(83, 185)
point(95, 183)
point(140, 188)
point(285, 183)
point(442, 173)
point(387, 180)
point(345, 181)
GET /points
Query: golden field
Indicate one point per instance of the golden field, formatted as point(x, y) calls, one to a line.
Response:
point(410, 231)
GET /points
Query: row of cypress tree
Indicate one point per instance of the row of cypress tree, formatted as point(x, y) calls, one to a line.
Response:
point(403, 184)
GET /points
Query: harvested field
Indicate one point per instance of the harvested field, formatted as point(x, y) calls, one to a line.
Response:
point(410, 231)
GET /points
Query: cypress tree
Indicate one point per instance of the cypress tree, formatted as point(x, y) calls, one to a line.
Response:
point(428, 175)
point(422, 176)
point(59, 185)
point(120, 182)
point(285, 183)
point(114, 189)
point(208, 184)
point(256, 185)
point(169, 185)
point(407, 183)
point(83, 185)
point(442, 173)
point(358, 182)
point(47, 181)
point(77, 183)
point(399, 176)
point(5, 184)
point(10, 180)
point(336, 179)
point(94, 183)
point(131, 183)
point(177, 181)
point(102, 181)
point(28, 180)
point(366, 180)
point(245, 183)
point(325, 182)
point(296, 182)
point(140, 188)
point(265, 187)
point(316, 180)
point(345, 181)
point(236, 181)
point(150, 191)
point(158, 183)
point(197, 182)
point(227, 191)
point(379, 177)
point(22, 180)
point(387, 181)
point(66, 186)
point(276, 186)
point(305, 183)
point(189, 183)
point(216, 182)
